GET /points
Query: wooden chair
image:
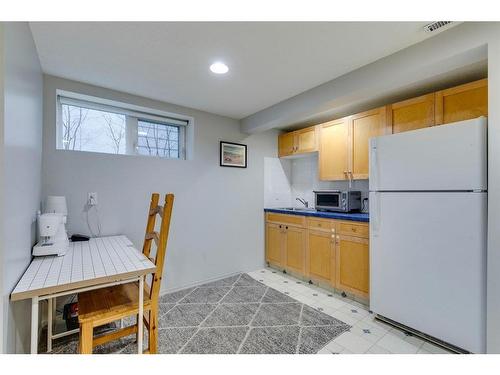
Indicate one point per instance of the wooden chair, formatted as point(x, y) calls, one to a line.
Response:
point(103, 306)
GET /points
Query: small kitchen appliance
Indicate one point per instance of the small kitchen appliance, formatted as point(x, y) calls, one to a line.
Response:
point(53, 239)
point(337, 200)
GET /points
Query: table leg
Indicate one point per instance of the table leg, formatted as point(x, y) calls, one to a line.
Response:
point(50, 315)
point(140, 318)
point(34, 325)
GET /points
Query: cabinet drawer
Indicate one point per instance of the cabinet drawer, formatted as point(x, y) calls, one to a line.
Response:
point(353, 229)
point(321, 224)
point(286, 219)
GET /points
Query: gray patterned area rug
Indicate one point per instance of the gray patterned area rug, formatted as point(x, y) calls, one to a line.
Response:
point(237, 314)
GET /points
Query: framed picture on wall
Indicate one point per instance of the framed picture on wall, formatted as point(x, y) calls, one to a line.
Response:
point(233, 155)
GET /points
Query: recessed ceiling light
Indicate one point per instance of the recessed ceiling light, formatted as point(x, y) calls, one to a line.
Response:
point(219, 68)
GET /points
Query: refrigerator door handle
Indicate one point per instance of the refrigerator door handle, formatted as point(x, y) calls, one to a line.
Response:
point(375, 218)
point(373, 165)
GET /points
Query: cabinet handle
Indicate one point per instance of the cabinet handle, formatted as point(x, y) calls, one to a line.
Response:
point(280, 226)
point(286, 227)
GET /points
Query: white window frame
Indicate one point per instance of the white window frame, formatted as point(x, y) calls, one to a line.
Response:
point(133, 114)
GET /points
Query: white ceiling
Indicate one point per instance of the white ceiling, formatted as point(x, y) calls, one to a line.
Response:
point(269, 62)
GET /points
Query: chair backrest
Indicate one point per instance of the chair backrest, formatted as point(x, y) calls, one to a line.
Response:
point(160, 239)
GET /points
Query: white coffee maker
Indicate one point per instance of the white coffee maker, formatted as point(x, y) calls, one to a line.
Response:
point(53, 238)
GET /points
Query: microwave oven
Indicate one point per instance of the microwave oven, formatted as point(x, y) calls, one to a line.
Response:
point(337, 200)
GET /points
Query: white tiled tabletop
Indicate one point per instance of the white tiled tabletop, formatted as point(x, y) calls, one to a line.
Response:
point(85, 263)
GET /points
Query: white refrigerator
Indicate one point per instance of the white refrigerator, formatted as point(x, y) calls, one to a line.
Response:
point(428, 220)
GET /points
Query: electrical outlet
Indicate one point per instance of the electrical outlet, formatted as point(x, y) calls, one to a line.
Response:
point(92, 199)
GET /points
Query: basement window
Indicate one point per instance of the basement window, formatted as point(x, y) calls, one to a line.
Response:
point(99, 125)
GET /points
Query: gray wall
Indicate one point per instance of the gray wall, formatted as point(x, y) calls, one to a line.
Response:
point(2, 45)
point(22, 155)
point(217, 226)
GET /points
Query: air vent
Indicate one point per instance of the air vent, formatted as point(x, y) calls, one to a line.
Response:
point(435, 26)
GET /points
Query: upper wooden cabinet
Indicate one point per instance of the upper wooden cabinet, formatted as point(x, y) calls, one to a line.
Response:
point(334, 150)
point(286, 144)
point(364, 126)
point(412, 114)
point(463, 102)
point(344, 144)
point(298, 142)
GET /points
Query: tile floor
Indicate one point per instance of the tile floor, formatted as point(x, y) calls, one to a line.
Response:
point(366, 334)
point(266, 311)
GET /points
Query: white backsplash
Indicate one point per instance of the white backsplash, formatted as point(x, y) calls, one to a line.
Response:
point(305, 179)
point(277, 182)
point(288, 179)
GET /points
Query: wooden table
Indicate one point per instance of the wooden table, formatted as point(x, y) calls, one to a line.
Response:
point(97, 263)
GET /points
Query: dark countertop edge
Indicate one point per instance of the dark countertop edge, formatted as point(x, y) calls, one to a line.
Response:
point(355, 216)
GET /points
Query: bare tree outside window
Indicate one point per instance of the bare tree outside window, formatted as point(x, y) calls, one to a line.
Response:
point(115, 130)
point(101, 128)
point(86, 129)
point(158, 139)
point(72, 119)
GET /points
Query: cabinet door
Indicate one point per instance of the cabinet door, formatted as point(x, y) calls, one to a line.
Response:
point(306, 140)
point(320, 256)
point(333, 150)
point(363, 127)
point(412, 114)
point(462, 102)
point(274, 244)
point(295, 245)
point(286, 144)
point(353, 265)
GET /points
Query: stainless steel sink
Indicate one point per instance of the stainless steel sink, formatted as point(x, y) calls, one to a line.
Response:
point(297, 209)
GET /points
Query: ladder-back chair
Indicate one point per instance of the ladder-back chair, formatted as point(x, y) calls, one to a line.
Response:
point(103, 306)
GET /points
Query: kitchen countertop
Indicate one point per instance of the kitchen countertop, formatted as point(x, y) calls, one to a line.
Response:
point(354, 216)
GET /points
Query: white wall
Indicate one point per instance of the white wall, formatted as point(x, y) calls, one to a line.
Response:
point(218, 223)
point(22, 155)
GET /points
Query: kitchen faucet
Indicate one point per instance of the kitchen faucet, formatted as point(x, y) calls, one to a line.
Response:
point(303, 201)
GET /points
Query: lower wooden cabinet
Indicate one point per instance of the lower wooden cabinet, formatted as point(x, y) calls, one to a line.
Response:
point(294, 249)
point(320, 256)
point(274, 246)
point(285, 246)
point(331, 252)
point(353, 274)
